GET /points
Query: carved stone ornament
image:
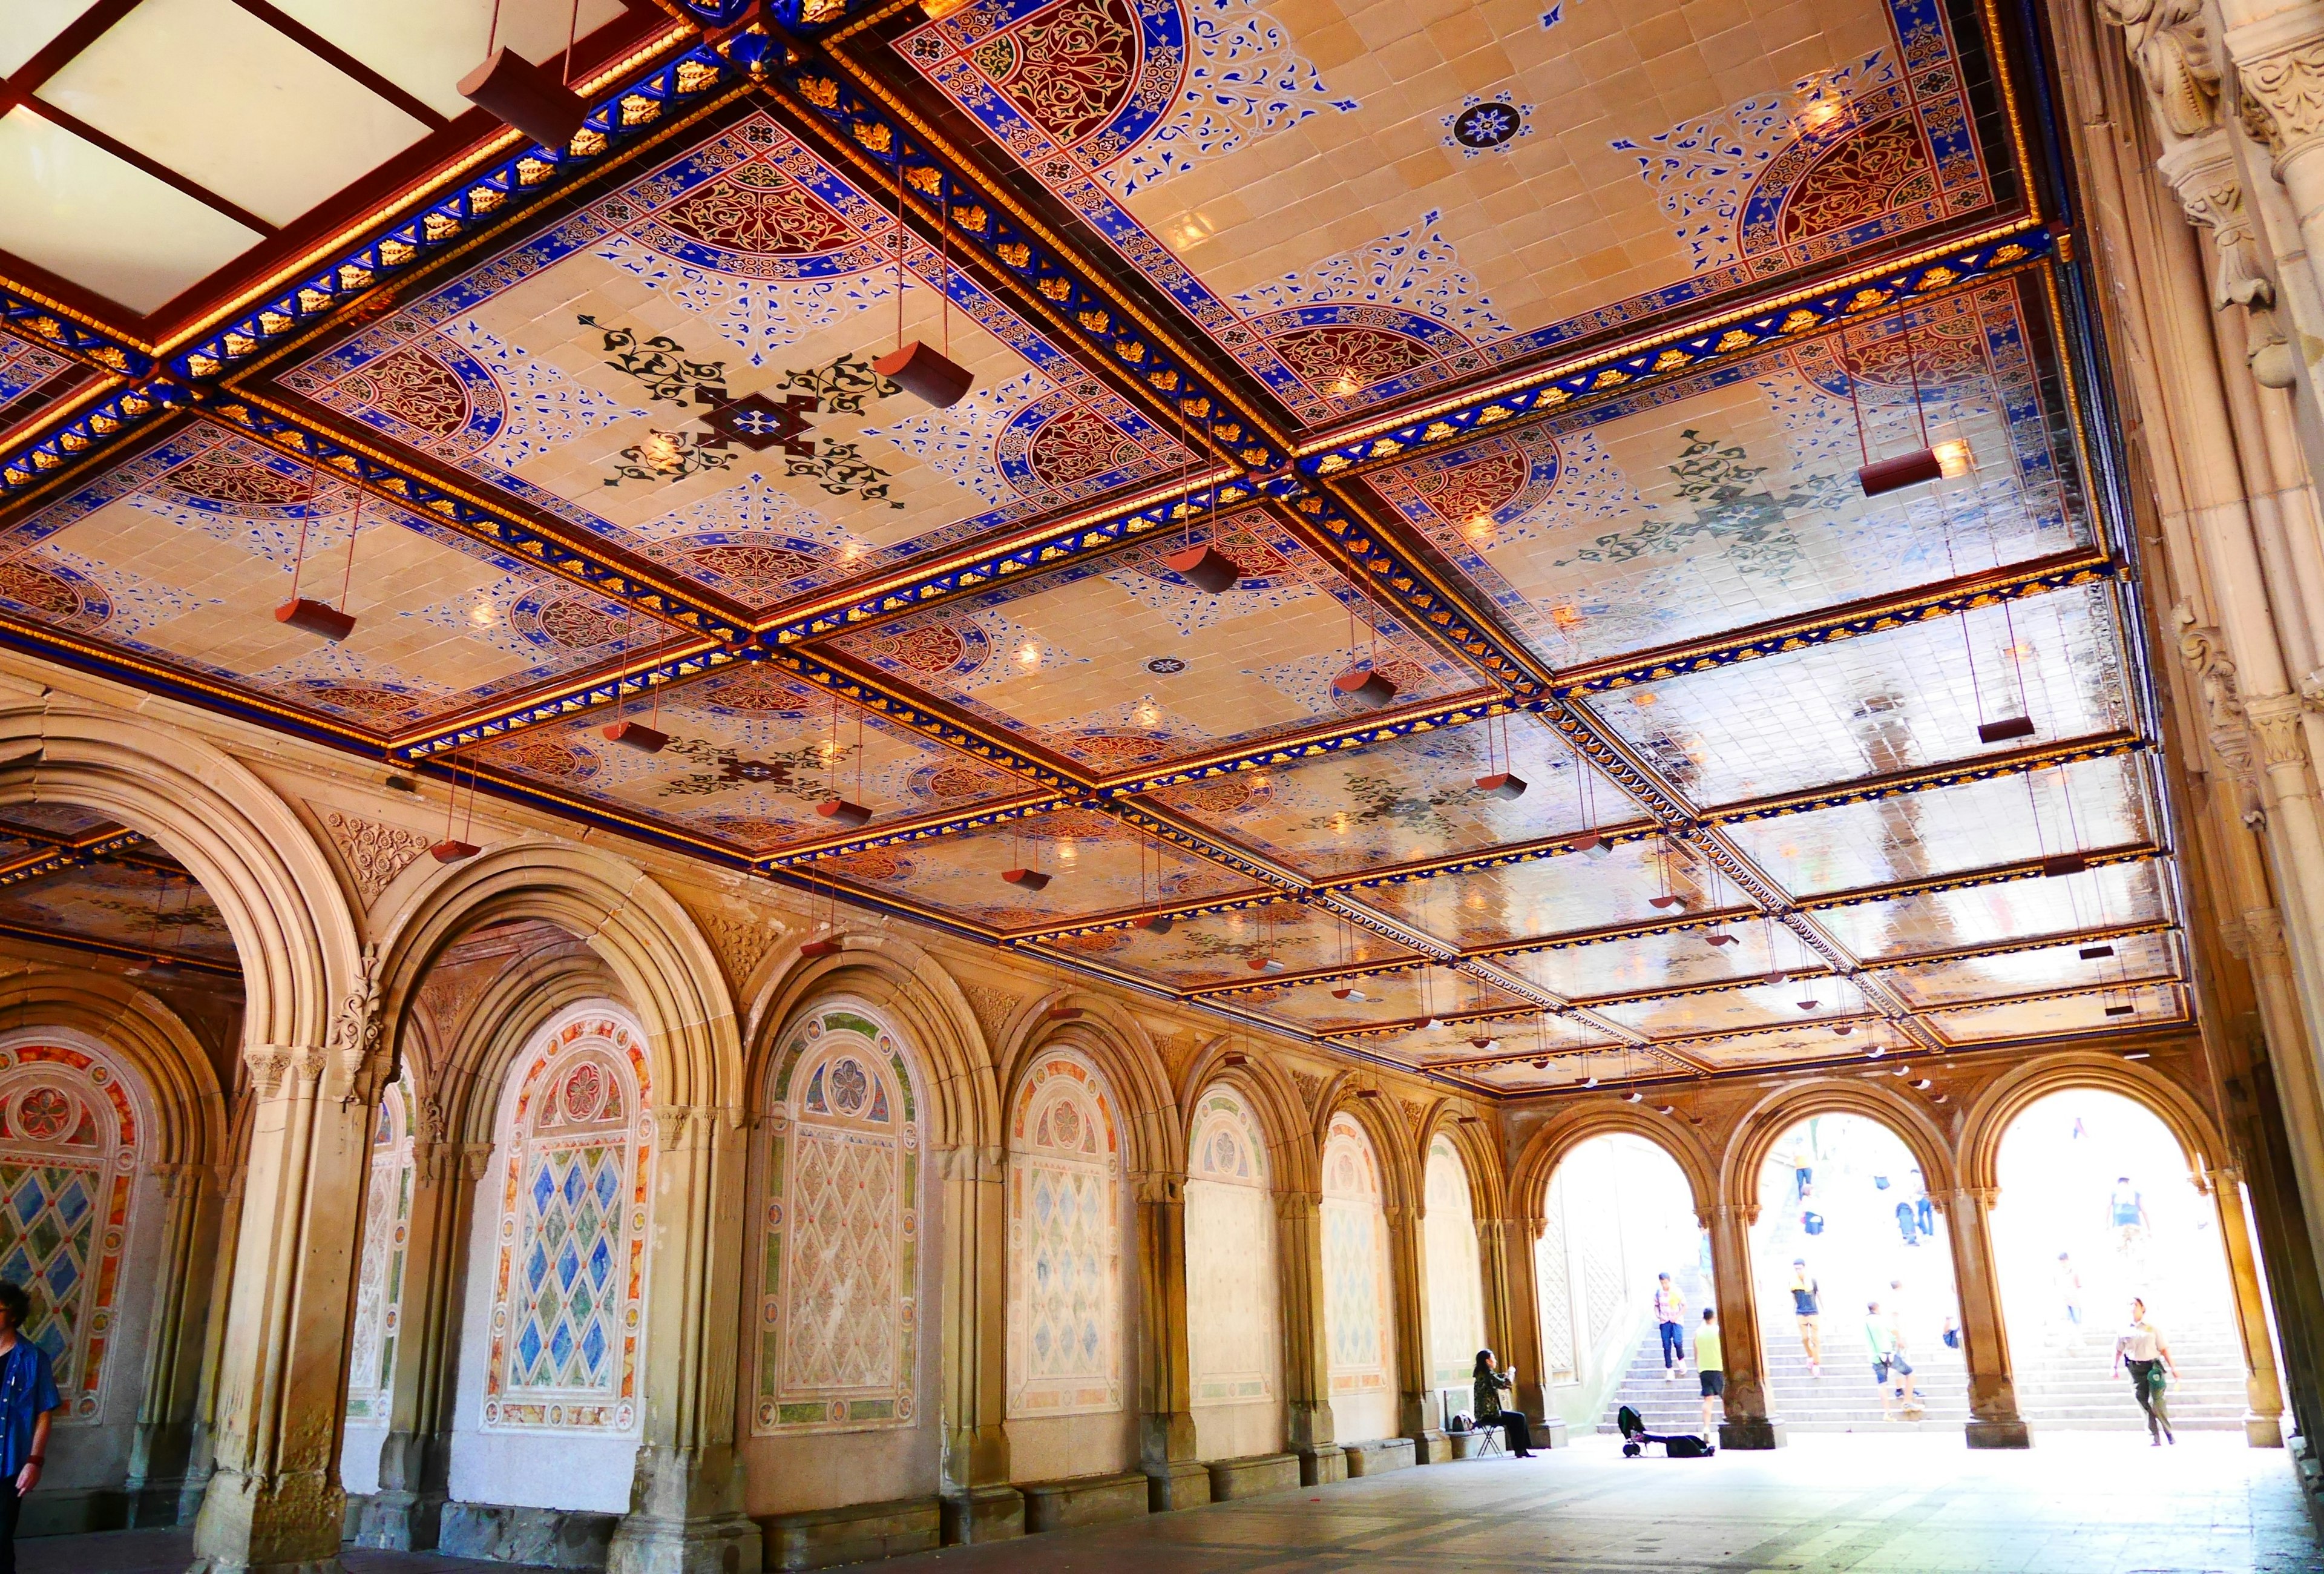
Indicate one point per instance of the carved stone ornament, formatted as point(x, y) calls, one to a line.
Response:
point(990, 1008)
point(2264, 928)
point(2202, 172)
point(375, 854)
point(1311, 1089)
point(2214, 670)
point(2171, 44)
point(2275, 719)
point(2284, 99)
point(742, 941)
point(355, 1033)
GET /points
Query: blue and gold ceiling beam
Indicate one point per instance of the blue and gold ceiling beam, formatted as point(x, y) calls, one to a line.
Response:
point(638, 679)
point(63, 854)
point(90, 945)
point(84, 428)
point(1930, 778)
point(926, 828)
point(1680, 351)
point(69, 333)
point(857, 689)
point(1992, 874)
point(1978, 950)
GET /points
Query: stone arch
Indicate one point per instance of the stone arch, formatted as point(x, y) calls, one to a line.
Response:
point(463, 1088)
point(669, 975)
point(1754, 1135)
point(1119, 1046)
point(1239, 1371)
point(1274, 1102)
point(1480, 1156)
point(189, 1106)
point(1392, 1142)
point(1989, 1118)
point(1562, 1134)
point(294, 933)
point(1068, 1257)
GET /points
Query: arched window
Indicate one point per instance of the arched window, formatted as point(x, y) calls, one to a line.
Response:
point(839, 1272)
point(1357, 1314)
point(1234, 1335)
point(69, 1148)
point(569, 1285)
point(1456, 1286)
point(1065, 1243)
point(378, 1279)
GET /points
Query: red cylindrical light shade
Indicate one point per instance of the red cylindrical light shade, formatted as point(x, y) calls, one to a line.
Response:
point(1366, 686)
point(1904, 471)
point(918, 369)
point(841, 813)
point(1026, 879)
point(1205, 568)
point(1502, 785)
point(526, 96)
point(452, 850)
point(315, 617)
point(637, 736)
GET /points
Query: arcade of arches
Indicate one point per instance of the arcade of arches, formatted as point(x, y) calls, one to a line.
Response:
point(801, 964)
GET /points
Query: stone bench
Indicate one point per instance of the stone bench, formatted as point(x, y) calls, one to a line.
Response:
point(1380, 1455)
point(1081, 1500)
point(556, 1538)
point(820, 1538)
point(1249, 1477)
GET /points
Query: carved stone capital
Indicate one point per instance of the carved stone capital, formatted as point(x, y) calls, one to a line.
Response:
point(475, 1158)
point(356, 1048)
point(276, 1068)
point(2263, 930)
point(2283, 96)
point(2171, 44)
point(2275, 719)
point(2202, 172)
point(2205, 653)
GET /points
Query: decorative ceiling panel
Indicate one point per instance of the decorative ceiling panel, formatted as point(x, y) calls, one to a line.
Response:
point(1724, 1010)
point(2004, 819)
point(2133, 958)
point(1404, 800)
point(180, 556)
point(1672, 960)
point(2149, 1005)
point(1588, 532)
point(1551, 896)
point(1096, 866)
point(1993, 914)
point(752, 752)
point(1117, 664)
point(1374, 999)
point(1779, 1046)
point(1909, 696)
point(576, 373)
point(1519, 1040)
point(1359, 203)
point(125, 906)
point(1219, 947)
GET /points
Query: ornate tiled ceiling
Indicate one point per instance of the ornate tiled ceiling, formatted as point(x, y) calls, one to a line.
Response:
point(1524, 357)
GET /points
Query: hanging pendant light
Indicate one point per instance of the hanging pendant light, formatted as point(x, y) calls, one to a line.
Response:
point(1026, 879)
point(1366, 686)
point(913, 366)
point(841, 813)
point(844, 813)
point(518, 93)
point(454, 849)
point(1503, 783)
point(637, 736)
point(304, 612)
point(2096, 953)
point(2006, 729)
point(316, 617)
point(1205, 568)
point(1154, 923)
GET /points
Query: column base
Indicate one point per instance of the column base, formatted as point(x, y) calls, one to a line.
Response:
point(1431, 1446)
point(1177, 1483)
point(401, 1521)
point(1748, 1435)
point(292, 1523)
point(1320, 1464)
point(982, 1513)
point(723, 1543)
point(1999, 1434)
point(2264, 1431)
point(1550, 1432)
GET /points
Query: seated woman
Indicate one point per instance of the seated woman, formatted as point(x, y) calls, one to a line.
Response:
point(1491, 1384)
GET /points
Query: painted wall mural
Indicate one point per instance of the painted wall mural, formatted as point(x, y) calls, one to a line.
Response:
point(568, 1288)
point(71, 1142)
point(379, 1275)
point(1065, 1243)
point(838, 1339)
point(1456, 1285)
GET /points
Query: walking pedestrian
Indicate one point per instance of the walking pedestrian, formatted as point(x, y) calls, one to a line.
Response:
point(1907, 1221)
point(1924, 1211)
point(2070, 1288)
point(1807, 1310)
point(1710, 1366)
point(1489, 1383)
point(1670, 1318)
point(2141, 1349)
point(1890, 1369)
point(28, 1402)
point(2126, 1211)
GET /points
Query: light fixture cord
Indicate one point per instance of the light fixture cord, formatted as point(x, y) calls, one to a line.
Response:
point(355, 527)
point(572, 32)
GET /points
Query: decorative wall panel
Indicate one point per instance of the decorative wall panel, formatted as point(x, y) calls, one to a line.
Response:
point(1065, 1242)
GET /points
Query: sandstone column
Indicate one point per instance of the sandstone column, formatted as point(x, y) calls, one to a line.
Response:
point(1418, 1414)
point(1166, 1417)
point(1306, 1352)
point(1748, 1423)
point(1513, 1321)
point(163, 1447)
point(2263, 1392)
point(980, 1505)
point(1993, 1419)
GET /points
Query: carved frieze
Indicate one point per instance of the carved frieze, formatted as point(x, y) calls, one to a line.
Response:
point(374, 854)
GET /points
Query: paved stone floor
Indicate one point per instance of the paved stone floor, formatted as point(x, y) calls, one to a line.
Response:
point(2088, 1504)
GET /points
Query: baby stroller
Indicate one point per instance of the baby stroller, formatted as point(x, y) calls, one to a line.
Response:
point(1680, 1446)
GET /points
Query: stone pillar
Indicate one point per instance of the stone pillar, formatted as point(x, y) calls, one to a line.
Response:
point(1505, 1251)
point(686, 1500)
point(415, 1461)
point(201, 1457)
point(1166, 1417)
point(162, 1450)
point(1419, 1416)
point(2263, 1390)
point(980, 1505)
point(274, 1503)
point(1993, 1419)
point(1306, 1348)
point(1748, 1423)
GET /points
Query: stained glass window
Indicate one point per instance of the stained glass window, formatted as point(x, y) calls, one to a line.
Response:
point(1065, 1243)
point(379, 1280)
point(574, 1163)
point(837, 1322)
point(69, 1150)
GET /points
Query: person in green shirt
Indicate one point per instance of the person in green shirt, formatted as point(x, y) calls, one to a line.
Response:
point(1890, 1369)
point(1710, 1365)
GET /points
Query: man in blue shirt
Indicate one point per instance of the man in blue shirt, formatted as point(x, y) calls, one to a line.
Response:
point(28, 1400)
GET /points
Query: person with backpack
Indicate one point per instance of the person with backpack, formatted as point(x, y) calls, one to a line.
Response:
point(1807, 1309)
point(1486, 1387)
point(1890, 1370)
point(1670, 1314)
point(1710, 1366)
point(2141, 1349)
